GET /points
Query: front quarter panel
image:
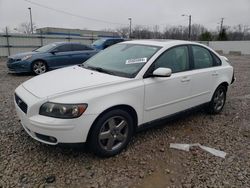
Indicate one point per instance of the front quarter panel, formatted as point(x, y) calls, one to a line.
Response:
point(99, 99)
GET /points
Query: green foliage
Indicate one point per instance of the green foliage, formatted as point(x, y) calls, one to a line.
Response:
point(223, 35)
point(206, 36)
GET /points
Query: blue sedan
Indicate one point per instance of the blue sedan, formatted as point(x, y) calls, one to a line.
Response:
point(49, 57)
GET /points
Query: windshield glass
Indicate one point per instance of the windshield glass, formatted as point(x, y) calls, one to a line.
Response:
point(98, 42)
point(45, 48)
point(124, 60)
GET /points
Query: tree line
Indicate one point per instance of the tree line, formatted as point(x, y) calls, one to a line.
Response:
point(198, 33)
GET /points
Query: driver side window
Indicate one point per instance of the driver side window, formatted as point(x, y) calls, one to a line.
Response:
point(176, 59)
point(64, 48)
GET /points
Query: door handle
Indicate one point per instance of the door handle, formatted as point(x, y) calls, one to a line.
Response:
point(185, 79)
point(215, 73)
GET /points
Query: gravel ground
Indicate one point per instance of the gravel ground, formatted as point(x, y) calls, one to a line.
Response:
point(147, 162)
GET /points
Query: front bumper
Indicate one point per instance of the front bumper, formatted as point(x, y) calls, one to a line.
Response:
point(51, 130)
point(18, 66)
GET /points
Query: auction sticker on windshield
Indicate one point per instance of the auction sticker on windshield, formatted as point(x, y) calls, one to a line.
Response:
point(134, 61)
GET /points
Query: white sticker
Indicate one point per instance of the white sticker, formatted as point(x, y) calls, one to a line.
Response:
point(134, 61)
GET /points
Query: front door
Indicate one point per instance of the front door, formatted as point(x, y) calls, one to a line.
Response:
point(61, 57)
point(168, 95)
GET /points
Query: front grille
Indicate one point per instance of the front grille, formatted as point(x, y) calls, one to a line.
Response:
point(22, 105)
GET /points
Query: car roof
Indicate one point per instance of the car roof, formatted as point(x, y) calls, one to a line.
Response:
point(111, 38)
point(59, 43)
point(160, 42)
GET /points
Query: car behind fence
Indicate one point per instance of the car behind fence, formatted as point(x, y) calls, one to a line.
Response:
point(11, 43)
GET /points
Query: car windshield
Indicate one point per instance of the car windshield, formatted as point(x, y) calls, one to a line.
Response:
point(46, 48)
point(124, 60)
point(98, 42)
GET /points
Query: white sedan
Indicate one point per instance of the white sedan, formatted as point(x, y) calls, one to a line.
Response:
point(123, 88)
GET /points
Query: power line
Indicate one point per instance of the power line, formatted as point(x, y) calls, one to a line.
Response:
point(71, 14)
point(94, 19)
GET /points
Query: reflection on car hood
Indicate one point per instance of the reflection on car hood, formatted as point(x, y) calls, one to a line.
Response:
point(68, 79)
point(21, 55)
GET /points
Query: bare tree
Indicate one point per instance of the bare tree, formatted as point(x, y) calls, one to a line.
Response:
point(26, 28)
point(175, 32)
point(197, 30)
point(123, 31)
point(142, 32)
point(7, 28)
point(156, 32)
point(180, 32)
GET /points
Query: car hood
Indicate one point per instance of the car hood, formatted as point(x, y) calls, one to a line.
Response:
point(21, 55)
point(68, 79)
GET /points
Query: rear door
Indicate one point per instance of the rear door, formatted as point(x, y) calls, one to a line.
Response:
point(80, 53)
point(203, 75)
point(168, 95)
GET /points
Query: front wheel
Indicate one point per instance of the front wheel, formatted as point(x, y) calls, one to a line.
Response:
point(111, 133)
point(218, 100)
point(39, 67)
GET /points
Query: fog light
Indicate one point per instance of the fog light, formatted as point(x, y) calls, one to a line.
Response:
point(52, 139)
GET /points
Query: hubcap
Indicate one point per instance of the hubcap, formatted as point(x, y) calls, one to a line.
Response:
point(39, 67)
point(219, 100)
point(113, 133)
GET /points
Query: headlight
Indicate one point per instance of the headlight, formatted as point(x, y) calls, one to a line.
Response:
point(64, 111)
point(26, 57)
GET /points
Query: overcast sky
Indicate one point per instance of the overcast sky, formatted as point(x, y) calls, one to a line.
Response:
point(115, 13)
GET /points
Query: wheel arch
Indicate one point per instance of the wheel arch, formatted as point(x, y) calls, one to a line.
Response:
point(124, 107)
point(225, 84)
point(40, 59)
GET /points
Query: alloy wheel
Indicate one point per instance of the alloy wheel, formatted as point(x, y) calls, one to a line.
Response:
point(219, 99)
point(39, 67)
point(113, 133)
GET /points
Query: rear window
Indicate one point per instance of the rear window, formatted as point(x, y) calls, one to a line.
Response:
point(217, 61)
point(202, 57)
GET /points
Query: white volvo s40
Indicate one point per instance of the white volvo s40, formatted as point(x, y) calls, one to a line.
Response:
point(125, 87)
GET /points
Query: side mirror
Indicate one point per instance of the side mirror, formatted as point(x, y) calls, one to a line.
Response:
point(54, 51)
point(162, 72)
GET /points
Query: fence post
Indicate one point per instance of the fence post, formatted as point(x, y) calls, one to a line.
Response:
point(41, 35)
point(69, 37)
point(8, 42)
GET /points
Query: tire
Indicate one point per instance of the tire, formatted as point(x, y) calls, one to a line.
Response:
point(111, 133)
point(218, 100)
point(39, 67)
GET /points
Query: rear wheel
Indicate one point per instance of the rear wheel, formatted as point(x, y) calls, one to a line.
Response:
point(218, 101)
point(39, 67)
point(111, 133)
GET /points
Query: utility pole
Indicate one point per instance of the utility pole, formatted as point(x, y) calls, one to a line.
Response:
point(189, 25)
point(31, 24)
point(221, 24)
point(246, 29)
point(189, 28)
point(130, 27)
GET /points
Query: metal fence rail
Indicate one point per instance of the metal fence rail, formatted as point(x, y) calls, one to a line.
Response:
point(11, 43)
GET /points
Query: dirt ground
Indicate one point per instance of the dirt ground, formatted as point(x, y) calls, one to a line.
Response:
point(148, 162)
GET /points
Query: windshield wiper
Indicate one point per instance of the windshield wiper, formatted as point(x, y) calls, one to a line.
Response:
point(99, 69)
